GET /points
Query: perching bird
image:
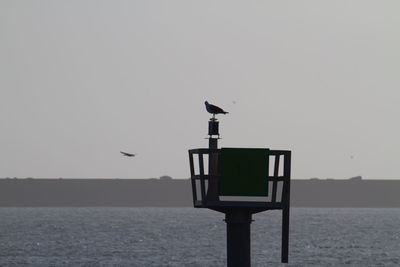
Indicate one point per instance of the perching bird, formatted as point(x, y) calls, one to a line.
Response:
point(127, 154)
point(214, 109)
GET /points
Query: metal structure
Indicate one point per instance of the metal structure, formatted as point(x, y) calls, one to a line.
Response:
point(205, 170)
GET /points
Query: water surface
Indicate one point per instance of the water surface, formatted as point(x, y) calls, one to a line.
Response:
point(193, 237)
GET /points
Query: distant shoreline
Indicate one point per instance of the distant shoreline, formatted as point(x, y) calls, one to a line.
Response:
point(167, 192)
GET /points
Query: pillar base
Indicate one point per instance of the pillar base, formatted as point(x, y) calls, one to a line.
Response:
point(238, 237)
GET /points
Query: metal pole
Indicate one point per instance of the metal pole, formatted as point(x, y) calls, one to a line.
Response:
point(212, 192)
point(286, 209)
point(285, 235)
point(238, 237)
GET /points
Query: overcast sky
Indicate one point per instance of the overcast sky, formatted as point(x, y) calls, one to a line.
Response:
point(81, 80)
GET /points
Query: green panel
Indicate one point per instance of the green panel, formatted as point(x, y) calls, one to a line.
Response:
point(244, 172)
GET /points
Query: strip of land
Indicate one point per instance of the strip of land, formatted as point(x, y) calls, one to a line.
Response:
point(178, 193)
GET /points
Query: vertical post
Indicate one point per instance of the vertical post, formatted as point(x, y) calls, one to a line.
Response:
point(275, 182)
point(192, 174)
point(212, 192)
point(286, 208)
point(201, 167)
point(285, 235)
point(238, 237)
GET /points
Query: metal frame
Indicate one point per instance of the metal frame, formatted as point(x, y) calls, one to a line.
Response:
point(250, 206)
point(202, 202)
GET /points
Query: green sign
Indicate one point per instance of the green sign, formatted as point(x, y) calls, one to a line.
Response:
point(244, 172)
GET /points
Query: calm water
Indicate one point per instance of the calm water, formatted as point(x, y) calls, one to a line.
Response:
point(193, 237)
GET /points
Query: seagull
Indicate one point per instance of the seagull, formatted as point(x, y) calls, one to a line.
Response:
point(214, 109)
point(127, 154)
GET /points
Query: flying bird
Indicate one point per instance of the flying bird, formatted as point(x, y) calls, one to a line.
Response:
point(127, 154)
point(214, 109)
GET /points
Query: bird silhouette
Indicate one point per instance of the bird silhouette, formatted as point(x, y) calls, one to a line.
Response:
point(214, 109)
point(127, 154)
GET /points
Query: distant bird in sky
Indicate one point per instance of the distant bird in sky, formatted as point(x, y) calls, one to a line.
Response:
point(127, 154)
point(214, 109)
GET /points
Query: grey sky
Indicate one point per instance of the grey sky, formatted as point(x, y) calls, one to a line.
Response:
point(82, 80)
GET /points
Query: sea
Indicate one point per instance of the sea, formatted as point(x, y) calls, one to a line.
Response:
point(194, 237)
